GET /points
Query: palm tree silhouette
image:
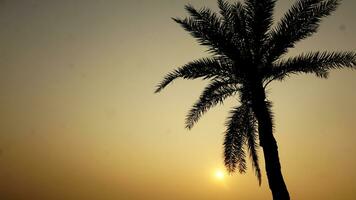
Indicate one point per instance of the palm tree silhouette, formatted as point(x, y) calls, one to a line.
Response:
point(246, 56)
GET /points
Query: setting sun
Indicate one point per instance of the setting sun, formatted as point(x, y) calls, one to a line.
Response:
point(219, 174)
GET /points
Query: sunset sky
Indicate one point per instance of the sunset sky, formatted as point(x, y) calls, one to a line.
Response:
point(79, 119)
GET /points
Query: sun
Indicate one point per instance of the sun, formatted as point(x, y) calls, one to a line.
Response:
point(219, 174)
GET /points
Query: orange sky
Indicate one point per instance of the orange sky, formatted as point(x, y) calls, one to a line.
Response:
point(79, 119)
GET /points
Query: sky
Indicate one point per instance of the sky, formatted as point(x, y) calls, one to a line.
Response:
point(79, 119)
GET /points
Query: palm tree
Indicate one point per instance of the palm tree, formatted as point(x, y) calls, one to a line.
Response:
point(247, 55)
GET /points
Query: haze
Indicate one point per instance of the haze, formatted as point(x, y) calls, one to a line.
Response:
point(79, 120)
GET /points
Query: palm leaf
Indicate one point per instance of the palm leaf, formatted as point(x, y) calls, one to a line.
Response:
point(318, 63)
point(234, 152)
point(205, 67)
point(216, 92)
point(225, 9)
point(259, 20)
point(252, 144)
point(300, 22)
point(206, 26)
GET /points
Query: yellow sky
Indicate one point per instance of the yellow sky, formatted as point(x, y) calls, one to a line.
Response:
point(79, 119)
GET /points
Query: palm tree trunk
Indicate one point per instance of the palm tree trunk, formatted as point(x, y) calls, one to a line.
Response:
point(269, 146)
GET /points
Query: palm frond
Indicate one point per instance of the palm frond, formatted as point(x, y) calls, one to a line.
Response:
point(240, 29)
point(234, 26)
point(206, 27)
point(259, 20)
point(252, 144)
point(225, 9)
point(227, 13)
point(234, 152)
point(300, 22)
point(233, 19)
point(318, 63)
point(216, 92)
point(201, 33)
point(201, 68)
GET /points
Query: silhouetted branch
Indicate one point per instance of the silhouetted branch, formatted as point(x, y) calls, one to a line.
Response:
point(216, 92)
point(318, 63)
point(234, 152)
point(300, 22)
point(202, 68)
point(252, 144)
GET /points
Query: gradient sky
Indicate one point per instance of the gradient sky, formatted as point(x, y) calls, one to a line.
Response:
point(79, 120)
